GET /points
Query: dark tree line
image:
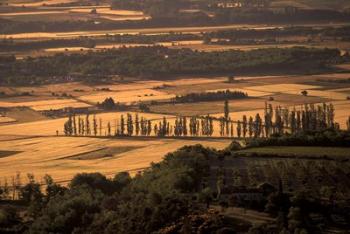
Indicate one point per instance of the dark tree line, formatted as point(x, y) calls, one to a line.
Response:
point(237, 36)
point(210, 96)
point(13, 45)
point(158, 61)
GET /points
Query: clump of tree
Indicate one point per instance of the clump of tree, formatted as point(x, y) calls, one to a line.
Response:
point(110, 104)
point(231, 79)
point(144, 107)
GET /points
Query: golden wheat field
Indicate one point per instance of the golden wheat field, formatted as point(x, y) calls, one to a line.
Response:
point(54, 104)
point(75, 34)
point(63, 157)
point(128, 96)
point(39, 3)
point(5, 119)
point(50, 126)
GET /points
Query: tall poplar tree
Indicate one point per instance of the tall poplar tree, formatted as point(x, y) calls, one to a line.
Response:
point(226, 110)
point(87, 122)
point(239, 129)
point(75, 132)
point(122, 125)
point(137, 124)
point(244, 125)
point(94, 123)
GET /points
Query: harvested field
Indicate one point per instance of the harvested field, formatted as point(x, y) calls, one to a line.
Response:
point(22, 115)
point(29, 13)
point(51, 155)
point(297, 99)
point(283, 88)
point(332, 95)
point(107, 10)
point(45, 90)
point(49, 127)
point(54, 104)
point(5, 119)
point(40, 12)
point(40, 3)
point(17, 100)
point(296, 89)
point(204, 108)
point(133, 31)
point(102, 153)
point(127, 96)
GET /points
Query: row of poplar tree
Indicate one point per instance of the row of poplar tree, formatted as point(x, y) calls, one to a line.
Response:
point(136, 126)
point(279, 120)
point(276, 120)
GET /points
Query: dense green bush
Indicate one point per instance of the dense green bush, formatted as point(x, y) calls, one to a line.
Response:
point(144, 204)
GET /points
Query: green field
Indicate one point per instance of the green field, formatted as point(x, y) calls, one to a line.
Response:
point(298, 151)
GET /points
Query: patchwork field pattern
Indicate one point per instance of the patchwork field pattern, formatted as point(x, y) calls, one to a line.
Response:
point(57, 156)
point(40, 151)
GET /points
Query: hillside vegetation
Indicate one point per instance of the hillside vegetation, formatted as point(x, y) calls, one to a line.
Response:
point(183, 186)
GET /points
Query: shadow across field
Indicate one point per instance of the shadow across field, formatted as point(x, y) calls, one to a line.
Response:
point(4, 154)
point(106, 152)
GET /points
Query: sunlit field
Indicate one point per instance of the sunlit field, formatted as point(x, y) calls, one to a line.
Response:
point(128, 96)
point(58, 155)
point(38, 3)
point(195, 30)
point(46, 105)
